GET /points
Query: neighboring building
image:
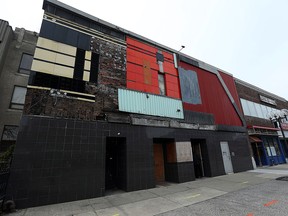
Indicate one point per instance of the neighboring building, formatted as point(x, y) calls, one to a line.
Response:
point(16, 55)
point(106, 108)
point(257, 105)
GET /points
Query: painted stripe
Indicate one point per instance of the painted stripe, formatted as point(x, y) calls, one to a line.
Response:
point(38, 87)
point(270, 203)
point(193, 196)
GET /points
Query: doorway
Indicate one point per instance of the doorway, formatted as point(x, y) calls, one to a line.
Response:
point(159, 169)
point(198, 157)
point(115, 163)
point(164, 157)
point(257, 153)
point(226, 157)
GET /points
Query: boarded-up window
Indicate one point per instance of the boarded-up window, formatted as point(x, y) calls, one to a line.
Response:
point(189, 86)
point(147, 72)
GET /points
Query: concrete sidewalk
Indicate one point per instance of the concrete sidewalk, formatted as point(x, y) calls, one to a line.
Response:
point(160, 199)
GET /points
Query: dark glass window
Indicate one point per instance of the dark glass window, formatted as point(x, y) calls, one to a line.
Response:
point(79, 64)
point(56, 82)
point(25, 64)
point(94, 68)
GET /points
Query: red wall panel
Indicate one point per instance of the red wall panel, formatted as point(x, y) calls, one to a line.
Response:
point(229, 81)
point(140, 55)
point(214, 98)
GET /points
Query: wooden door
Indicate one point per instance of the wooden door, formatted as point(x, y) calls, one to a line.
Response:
point(159, 163)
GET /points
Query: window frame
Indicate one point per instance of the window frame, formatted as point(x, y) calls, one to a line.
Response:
point(25, 69)
point(11, 100)
point(164, 84)
point(16, 126)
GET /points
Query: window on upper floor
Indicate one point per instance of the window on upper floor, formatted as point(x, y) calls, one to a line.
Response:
point(18, 98)
point(255, 109)
point(161, 80)
point(25, 64)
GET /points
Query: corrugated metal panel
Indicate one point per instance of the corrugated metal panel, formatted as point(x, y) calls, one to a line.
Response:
point(3, 27)
point(143, 103)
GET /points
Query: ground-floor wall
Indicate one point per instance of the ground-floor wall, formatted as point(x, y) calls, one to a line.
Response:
point(60, 160)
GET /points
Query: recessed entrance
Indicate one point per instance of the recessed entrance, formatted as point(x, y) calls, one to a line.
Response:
point(115, 163)
point(164, 150)
point(199, 157)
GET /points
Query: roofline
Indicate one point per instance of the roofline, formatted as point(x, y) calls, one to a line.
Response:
point(202, 64)
point(259, 89)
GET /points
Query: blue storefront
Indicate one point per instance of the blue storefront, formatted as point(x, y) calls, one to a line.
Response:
point(266, 146)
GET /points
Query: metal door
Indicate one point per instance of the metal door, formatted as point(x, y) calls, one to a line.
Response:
point(226, 157)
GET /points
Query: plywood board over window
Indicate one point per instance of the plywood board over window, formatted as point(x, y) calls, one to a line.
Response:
point(189, 86)
point(147, 72)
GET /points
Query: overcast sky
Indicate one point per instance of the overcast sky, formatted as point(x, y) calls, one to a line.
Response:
point(247, 38)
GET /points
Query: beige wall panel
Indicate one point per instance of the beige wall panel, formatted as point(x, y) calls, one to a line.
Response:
point(45, 55)
point(87, 65)
point(56, 46)
point(64, 59)
point(63, 71)
point(63, 48)
point(86, 76)
point(43, 67)
point(88, 55)
point(48, 44)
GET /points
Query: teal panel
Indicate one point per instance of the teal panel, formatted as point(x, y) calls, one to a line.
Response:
point(149, 104)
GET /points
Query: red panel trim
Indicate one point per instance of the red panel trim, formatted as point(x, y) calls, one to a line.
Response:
point(262, 127)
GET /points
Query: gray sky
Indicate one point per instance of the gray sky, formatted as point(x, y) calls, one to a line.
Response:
point(247, 38)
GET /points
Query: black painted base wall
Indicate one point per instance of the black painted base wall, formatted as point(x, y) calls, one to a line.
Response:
point(179, 172)
point(60, 160)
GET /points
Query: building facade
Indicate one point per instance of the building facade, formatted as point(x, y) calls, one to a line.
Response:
point(266, 141)
point(106, 108)
point(16, 55)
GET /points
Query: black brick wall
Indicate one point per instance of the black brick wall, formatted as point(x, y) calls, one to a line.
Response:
point(60, 160)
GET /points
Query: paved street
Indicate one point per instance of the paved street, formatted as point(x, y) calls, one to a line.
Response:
point(269, 198)
point(248, 193)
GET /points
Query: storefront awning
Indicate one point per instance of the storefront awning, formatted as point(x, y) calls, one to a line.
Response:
point(254, 139)
point(262, 127)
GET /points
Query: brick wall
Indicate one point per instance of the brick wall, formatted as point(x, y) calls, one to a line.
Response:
point(112, 75)
point(251, 94)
